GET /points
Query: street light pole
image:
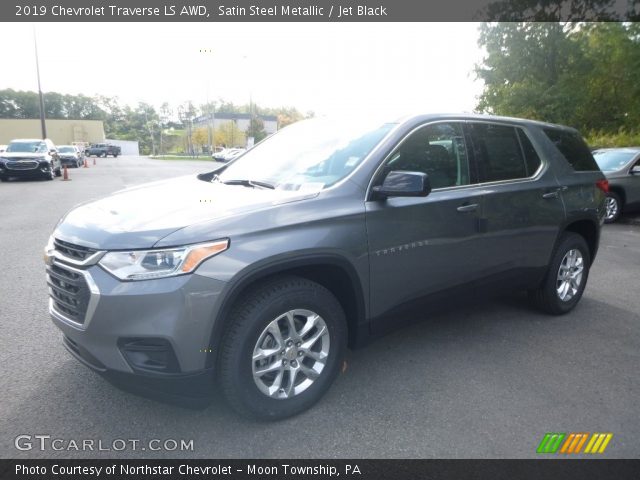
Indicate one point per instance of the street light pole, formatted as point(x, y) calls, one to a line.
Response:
point(43, 124)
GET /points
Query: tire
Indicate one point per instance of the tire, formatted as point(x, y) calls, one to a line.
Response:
point(273, 304)
point(50, 175)
point(58, 172)
point(115, 156)
point(4, 179)
point(613, 207)
point(549, 296)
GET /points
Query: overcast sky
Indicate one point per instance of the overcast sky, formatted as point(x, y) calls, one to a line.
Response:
point(367, 68)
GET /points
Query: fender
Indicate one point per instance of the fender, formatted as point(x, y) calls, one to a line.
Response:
point(358, 327)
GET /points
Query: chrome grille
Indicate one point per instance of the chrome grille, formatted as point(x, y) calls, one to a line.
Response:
point(75, 252)
point(22, 165)
point(69, 292)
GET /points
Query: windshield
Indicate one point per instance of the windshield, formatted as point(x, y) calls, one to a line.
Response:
point(27, 147)
point(308, 155)
point(66, 150)
point(610, 160)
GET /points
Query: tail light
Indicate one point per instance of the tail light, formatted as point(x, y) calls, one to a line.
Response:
point(603, 185)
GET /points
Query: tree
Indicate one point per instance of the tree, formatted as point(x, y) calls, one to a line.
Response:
point(256, 129)
point(229, 135)
point(200, 137)
point(551, 10)
point(584, 75)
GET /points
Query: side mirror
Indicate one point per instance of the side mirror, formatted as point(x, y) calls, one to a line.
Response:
point(404, 184)
point(635, 170)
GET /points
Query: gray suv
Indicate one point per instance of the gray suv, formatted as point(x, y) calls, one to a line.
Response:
point(256, 278)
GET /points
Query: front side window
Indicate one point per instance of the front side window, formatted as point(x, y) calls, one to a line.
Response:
point(438, 150)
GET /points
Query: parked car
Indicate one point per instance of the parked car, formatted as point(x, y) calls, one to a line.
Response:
point(219, 153)
point(622, 168)
point(30, 158)
point(103, 150)
point(320, 237)
point(232, 153)
point(70, 156)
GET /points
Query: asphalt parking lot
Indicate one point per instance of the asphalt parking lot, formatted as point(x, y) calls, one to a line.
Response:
point(483, 380)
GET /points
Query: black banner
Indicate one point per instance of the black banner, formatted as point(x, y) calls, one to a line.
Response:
point(316, 10)
point(345, 469)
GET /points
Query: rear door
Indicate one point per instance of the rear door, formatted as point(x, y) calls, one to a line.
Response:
point(523, 208)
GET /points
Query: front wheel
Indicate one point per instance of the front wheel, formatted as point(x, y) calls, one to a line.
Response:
point(282, 349)
point(566, 277)
point(613, 207)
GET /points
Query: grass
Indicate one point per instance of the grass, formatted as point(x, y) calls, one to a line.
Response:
point(182, 157)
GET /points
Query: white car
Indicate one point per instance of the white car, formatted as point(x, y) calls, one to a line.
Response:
point(232, 153)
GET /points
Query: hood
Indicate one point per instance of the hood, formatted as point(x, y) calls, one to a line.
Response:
point(23, 156)
point(139, 217)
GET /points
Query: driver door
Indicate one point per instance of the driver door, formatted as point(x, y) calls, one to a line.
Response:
point(419, 246)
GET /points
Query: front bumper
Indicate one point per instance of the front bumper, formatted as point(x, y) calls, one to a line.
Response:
point(71, 162)
point(191, 390)
point(129, 328)
point(42, 170)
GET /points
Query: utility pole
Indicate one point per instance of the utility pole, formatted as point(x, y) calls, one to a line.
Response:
point(43, 123)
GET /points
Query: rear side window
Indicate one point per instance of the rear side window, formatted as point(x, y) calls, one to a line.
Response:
point(499, 152)
point(573, 149)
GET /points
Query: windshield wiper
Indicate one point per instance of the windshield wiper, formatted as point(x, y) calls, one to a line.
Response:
point(251, 183)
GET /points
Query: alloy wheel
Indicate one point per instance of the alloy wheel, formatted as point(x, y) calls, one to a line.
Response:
point(569, 276)
point(290, 354)
point(611, 208)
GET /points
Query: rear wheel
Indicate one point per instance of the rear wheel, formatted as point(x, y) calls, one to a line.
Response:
point(283, 348)
point(566, 278)
point(613, 207)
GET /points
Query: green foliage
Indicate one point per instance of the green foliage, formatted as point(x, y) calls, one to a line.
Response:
point(143, 123)
point(256, 129)
point(621, 138)
point(550, 10)
point(583, 75)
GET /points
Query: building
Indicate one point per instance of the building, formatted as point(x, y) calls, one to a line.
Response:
point(61, 132)
point(241, 120)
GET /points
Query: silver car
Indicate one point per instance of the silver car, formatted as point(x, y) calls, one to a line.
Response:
point(621, 166)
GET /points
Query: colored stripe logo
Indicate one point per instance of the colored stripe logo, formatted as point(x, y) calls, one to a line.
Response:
point(569, 443)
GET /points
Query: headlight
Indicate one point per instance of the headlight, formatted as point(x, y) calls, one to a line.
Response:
point(147, 264)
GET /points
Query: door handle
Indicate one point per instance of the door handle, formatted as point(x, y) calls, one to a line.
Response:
point(555, 193)
point(472, 207)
